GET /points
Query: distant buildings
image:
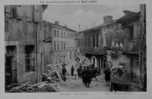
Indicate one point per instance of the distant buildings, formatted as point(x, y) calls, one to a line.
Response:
point(63, 43)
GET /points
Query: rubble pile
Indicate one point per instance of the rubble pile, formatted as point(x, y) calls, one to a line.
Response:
point(49, 83)
point(38, 87)
point(51, 77)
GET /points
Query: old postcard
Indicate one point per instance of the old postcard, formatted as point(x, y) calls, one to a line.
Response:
point(75, 46)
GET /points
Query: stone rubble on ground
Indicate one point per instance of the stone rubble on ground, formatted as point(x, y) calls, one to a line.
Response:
point(49, 84)
point(38, 87)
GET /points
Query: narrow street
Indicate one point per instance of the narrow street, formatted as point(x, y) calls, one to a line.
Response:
point(76, 85)
point(47, 46)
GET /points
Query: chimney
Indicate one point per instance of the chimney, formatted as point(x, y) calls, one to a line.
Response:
point(56, 22)
point(108, 19)
point(143, 10)
point(142, 7)
point(44, 6)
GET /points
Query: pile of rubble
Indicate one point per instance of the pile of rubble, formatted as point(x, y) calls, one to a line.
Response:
point(49, 83)
point(38, 87)
point(53, 73)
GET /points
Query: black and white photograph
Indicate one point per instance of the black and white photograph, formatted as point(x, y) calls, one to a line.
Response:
point(75, 48)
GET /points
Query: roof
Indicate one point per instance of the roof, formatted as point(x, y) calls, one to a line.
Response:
point(59, 26)
point(128, 17)
point(64, 27)
point(97, 27)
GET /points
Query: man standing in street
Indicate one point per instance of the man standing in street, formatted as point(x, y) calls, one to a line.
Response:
point(64, 72)
point(107, 73)
point(79, 71)
point(72, 71)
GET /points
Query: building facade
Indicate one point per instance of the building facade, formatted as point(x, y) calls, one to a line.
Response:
point(94, 42)
point(63, 44)
point(120, 42)
point(21, 42)
point(91, 45)
point(130, 45)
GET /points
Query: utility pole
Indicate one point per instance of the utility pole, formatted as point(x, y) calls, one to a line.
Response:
point(36, 48)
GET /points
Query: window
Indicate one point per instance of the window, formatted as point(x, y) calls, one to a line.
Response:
point(55, 33)
point(54, 45)
point(57, 46)
point(14, 13)
point(64, 46)
point(62, 35)
point(7, 34)
point(29, 58)
point(94, 41)
point(6, 26)
point(131, 32)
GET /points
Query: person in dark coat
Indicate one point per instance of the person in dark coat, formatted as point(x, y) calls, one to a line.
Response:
point(84, 76)
point(72, 71)
point(107, 73)
point(94, 72)
point(90, 75)
point(79, 71)
point(64, 73)
point(87, 76)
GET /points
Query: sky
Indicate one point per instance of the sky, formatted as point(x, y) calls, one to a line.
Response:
point(86, 16)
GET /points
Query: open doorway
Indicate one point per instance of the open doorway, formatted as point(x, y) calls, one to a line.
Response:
point(10, 65)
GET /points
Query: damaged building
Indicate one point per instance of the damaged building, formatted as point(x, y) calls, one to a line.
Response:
point(22, 23)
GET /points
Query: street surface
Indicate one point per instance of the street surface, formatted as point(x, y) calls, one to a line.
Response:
point(76, 85)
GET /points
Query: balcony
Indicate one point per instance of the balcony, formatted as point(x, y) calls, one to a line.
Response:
point(94, 51)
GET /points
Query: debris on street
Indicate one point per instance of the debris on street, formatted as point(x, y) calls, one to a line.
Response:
point(38, 87)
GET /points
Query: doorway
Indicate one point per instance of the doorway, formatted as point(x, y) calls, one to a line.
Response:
point(10, 65)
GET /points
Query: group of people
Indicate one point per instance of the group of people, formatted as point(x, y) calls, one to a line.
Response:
point(88, 74)
point(85, 73)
